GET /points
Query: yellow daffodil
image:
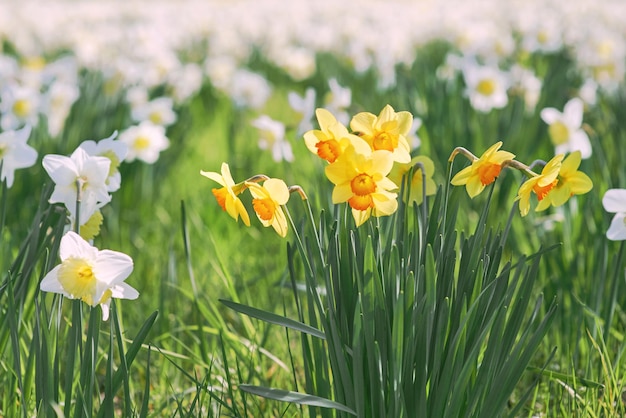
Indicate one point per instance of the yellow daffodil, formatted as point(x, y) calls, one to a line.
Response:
point(360, 180)
point(483, 171)
point(227, 195)
point(267, 201)
point(570, 182)
point(541, 185)
point(416, 193)
point(387, 131)
point(332, 138)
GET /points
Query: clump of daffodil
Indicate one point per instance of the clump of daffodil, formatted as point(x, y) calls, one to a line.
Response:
point(416, 193)
point(361, 180)
point(570, 182)
point(387, 131)
point(332, 138)
point(267, 201)
point(91, 275)
point(483, 171)
point(541, 185)
point(227, 194)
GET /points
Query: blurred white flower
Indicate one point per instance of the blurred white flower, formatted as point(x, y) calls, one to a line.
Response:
point(19, 106)
point(145, 142)
point(15, 153)
point(91, 275)
point(159, 111)
point(337, 101)
point(528, 85)
point(57, 103)
point(115, 151)
point(588, 92)
point(614, 201)
point(305, 107)
point(411, 136)
point(185, 81)
point(273, 137)
point(486, 86)
point(248, 89)
point(80, 169)
point(565, 128)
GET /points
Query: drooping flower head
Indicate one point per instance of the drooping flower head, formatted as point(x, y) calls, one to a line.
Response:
point(483, 171)
point(614, 201)
point(565, 129)
point(387, 131)
point(91, 275)
point(361, 180)
point(15, 153)
point(330, 141)
point(570, 182)
point(540, 185)
point(267, 202)
point(227, 195)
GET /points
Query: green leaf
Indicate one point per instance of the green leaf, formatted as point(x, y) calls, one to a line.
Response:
point(273, 318)
point(295, 397)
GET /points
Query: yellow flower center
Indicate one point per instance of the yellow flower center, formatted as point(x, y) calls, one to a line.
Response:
point(220, 195)
point(21, 108)
point(385, 141)
point(486, 87)
point(488, 172)
point(91, 228)
point(265, 208)
point(328, 150)
point(361, 202)
point(142, 142)
point(156, 118)
point(115, 162)
point(559, 133)
point(77, 278)
point(363, 185)
point(542, 191)
point(542, 37)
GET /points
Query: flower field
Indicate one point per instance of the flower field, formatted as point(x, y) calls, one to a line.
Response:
point(312, 209)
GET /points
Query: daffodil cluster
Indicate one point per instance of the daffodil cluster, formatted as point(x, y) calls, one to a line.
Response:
point(362, 162)
point(558, 181)
point(269, 196)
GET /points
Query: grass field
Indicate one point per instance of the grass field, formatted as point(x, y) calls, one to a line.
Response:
point(404, 210)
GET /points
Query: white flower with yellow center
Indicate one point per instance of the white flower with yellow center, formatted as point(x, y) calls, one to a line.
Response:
point(158, 111)
point(82, 170)
point(114, 150)
point(272, 136)
point(19, 106)
point(91, 275)
point(145, 142)
point(486, 86)
point(565, 129)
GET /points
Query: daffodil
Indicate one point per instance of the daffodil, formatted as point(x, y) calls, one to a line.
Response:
point(159, 111)
point(570, 182)
point(267, 201)
point(540, 184)
point(614, 201)
point(565, 128)
point(486, 86)
point(227, 195)
point(91, 275)
point(416, 193)
point(483, 171)
point(330, 141)
point(361, 180)
point(115, 151)
point(15, 153)
point(88, 173)
point(272, 136)
point(387, 131)
point(145, 142)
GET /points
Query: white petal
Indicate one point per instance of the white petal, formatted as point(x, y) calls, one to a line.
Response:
point(617, 230)
point(550, 115)
point(124, 291)
point(61, 170)
point(614, 200)
point(573, 112)
point(112, 267)
point(50, 283)
point(73, 245)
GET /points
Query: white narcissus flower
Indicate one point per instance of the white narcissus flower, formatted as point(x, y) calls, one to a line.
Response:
point(91, 275)
point(19, 106)
point(15, 153)
point(273, 137)
point(114, 150)
point(614, 201)
point(337, 100)
point(145, 142)
point(305, 107)
point(158, 111)
point(486, 86)
point(90, 172)
point(565, 128)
